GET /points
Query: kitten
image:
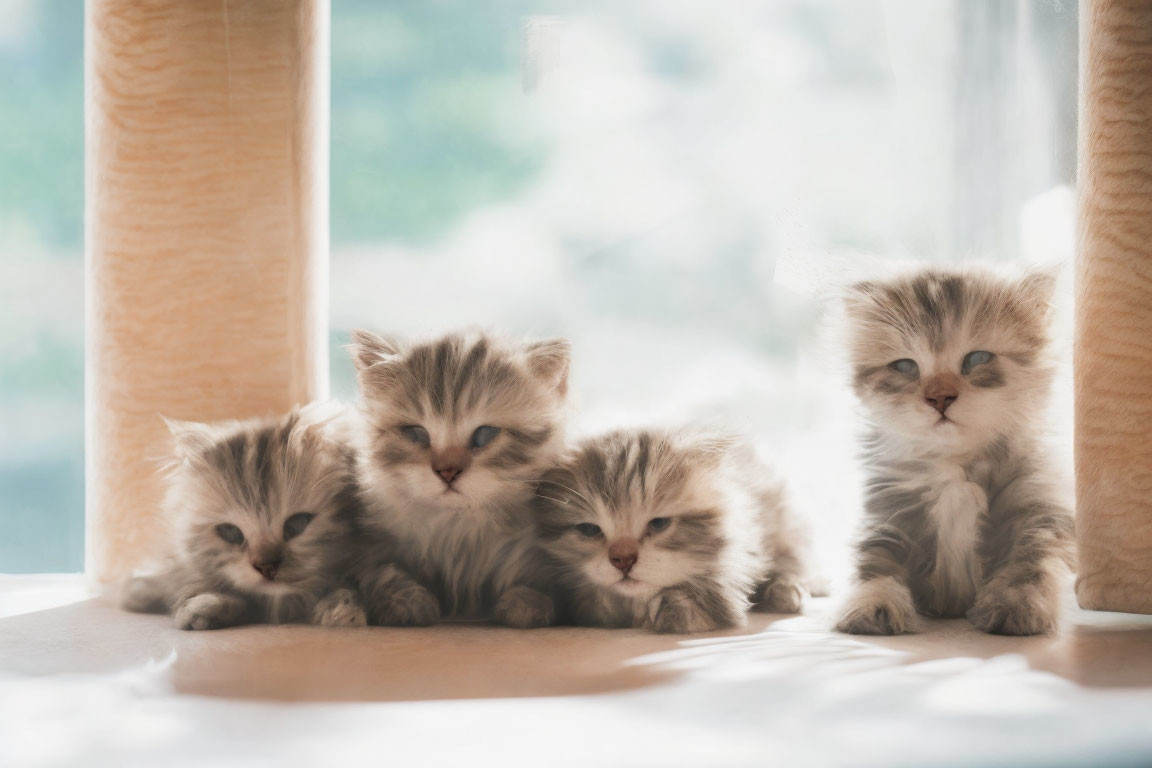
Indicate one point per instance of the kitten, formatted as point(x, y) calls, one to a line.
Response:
point(961, 517)
point(457, 431)
point(670, 531)
point(265, 517)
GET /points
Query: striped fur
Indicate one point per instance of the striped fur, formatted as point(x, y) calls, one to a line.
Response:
point(255, 475)
point(464, 549)
point(961, 516)
point(729, 541)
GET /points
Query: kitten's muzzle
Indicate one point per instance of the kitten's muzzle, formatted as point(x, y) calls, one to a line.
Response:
point(267, 563)
point(623, 555)
point(450, 464)
point(941, 391)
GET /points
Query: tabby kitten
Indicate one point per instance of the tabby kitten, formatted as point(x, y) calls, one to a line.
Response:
point(457, 430)
point(670, 531)
point(264, 516)
point(961, 517)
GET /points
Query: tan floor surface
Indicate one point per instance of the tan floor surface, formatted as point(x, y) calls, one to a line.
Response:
point(730, 687)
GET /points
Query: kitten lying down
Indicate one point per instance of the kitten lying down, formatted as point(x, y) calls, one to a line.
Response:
point(669, 531)
point(264, 518)
point(961, 516)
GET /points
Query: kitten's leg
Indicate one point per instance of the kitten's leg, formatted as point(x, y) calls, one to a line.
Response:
point(339, 608)
point(783, 589)
point(524, 608)
point(210, 610)
point(696, 607)
point(392, 598)
point(880, 603)
point(1025, 553)
point(145, 594)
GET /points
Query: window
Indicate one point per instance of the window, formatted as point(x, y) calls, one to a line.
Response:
point(672, 185)
point(41, 286)
point(668, 184)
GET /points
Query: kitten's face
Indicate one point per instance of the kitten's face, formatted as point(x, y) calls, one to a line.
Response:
point(634, 512)
point(265, 508)
point(950, 361)
point(463, 423)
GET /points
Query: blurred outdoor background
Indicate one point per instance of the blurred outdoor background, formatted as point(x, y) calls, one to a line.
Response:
point(672, 185)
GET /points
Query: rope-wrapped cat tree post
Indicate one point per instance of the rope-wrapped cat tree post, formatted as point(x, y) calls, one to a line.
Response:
point(207, 187)
point(1113, 354)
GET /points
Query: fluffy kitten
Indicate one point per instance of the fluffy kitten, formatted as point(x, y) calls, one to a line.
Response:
point(670, 531)
point(457, 430)
point(265, 517)
point(961, 518)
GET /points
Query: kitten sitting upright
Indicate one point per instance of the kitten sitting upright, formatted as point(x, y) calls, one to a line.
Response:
point(265, 517)
point(457, 431)
point(960, 516)
point(674, 532)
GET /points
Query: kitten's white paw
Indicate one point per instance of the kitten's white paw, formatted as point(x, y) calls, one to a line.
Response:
point(144, 594)
point(410, 606)
point(207, 611)
point(1006, 608)
point(674, 611)
point(878, 607)
point(781, 596)
point(339, 608)
point(524, 608)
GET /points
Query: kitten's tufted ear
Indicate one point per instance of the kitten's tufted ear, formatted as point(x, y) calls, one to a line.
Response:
point(373, 356)
point(549, 361)
point(1038, 287)
point(709, 450)
point(190, 438)
point(369, 349)
point(859, 296)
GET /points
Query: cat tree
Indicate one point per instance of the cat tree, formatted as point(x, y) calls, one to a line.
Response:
point(1113, 346)
point(206, 248)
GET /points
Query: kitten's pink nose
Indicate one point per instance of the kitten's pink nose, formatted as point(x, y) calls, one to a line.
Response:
point(268, 569)
point(941, 392)
point(448, 474)
point(450, 464)
point(623, 555)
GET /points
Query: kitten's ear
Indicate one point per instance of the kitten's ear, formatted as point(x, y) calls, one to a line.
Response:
point(373, 356)
point(709, 450)
point(549, 361)
point(859, 295)
point(189, 438)
point(1038, 287)
point(369, 349)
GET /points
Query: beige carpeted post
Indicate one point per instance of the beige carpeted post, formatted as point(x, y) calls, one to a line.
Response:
point(207, 235)
point(1113, 354)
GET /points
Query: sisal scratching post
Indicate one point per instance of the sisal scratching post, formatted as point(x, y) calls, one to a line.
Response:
point(1113, 354)
point(207, 235)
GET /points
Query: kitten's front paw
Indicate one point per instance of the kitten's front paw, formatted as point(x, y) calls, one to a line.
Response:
point(674, 611)
point(410, 606)
point(878, 607)
point(524, 608)
point(780, 596)
point(207, 611)
point(1004, 608)
point(339, 608)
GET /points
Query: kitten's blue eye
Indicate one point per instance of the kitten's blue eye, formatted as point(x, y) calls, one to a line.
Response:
point(230, 533)
point(905, 366)
point(657, 524)
point(973, 359)
point(588, 529)
point(295, 525)
point(484, 435)
point(417, 435)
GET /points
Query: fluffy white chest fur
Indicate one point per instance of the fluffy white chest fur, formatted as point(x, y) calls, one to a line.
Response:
point(956, 511)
